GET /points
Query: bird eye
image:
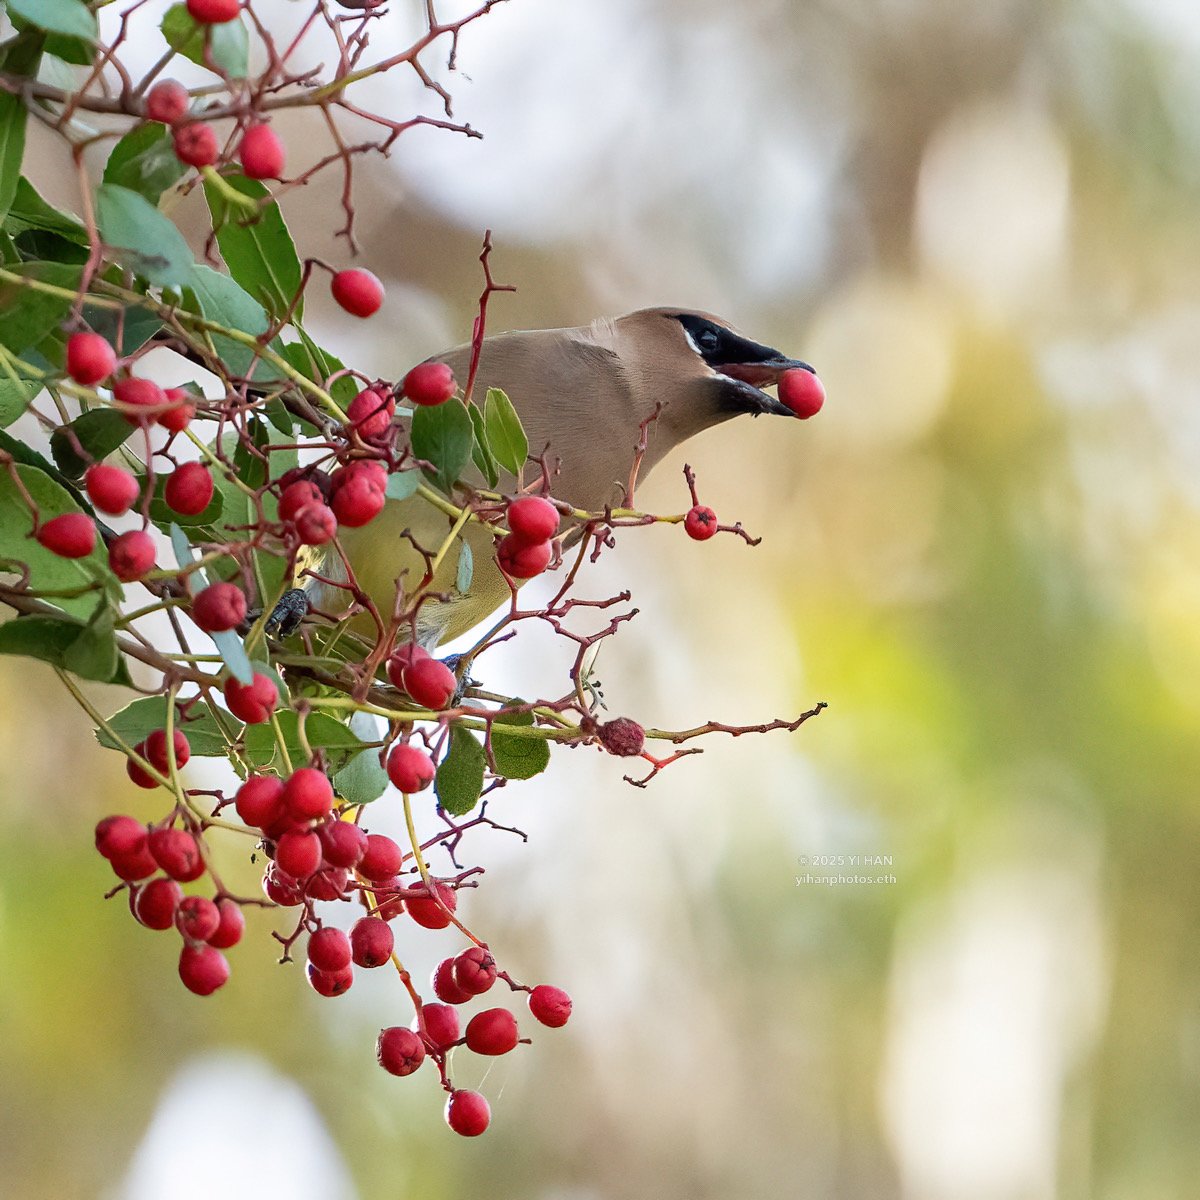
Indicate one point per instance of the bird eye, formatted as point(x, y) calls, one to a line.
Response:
point(708, 339)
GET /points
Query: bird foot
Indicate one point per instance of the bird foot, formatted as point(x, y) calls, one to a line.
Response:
point(292, 608)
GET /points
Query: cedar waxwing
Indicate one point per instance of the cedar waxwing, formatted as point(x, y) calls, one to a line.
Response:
point(582, 395)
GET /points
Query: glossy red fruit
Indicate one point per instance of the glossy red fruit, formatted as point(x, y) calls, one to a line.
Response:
point(120, 835)
point(381, 860)
point(467, 1113)
point(73, 535)
point(802, 392)
point(400, 1051)
point(402, 658)
point(167, 101)
point(364, 470)
point(136, 772)
point(156, 903)
point(131, 555)
point(533, 519)
point(137, 864)
point(203, 969)
point(622, 737)
point(189, 489)
point(155, 749)
point(357, 502)
point(177, 853)
point(196, 144)
point(426, 910)
point(371, 942)
point(430, 383)
point(259, 801)
point(388, 898)
point(327, 883)
point(261, 153)
point(213, 12)
point(343, 844)
point(296, 496)
point(231, 925)
point(521, 559)
point(308, 794)
point(197, 918)
point(493, 1031)
point(441, 1025)
point(550, 1005)
point(316, 524)
point(89, 358)
point(112, 490)
point(138, 394)
point(298, 853)
point(430, 683)
point(325, 983)
point(445, 987)
point(218, 607)
point(371, 413)
point(180, 414)
point(700, 523)
point(358, 291)
point(475, 970)
point(329, 950)
point(252, 702)
point(281, 889)
point(410, 769)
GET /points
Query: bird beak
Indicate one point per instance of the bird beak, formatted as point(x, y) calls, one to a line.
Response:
point(760, 368)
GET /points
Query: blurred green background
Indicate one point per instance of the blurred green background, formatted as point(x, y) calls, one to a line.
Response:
point(977, 220)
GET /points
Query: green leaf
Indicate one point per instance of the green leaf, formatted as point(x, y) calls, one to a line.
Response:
point(466, 567)
point(144, 239)
point(15, 395)
point(459, 779)
point(47, 571)
point(320, 366)
point(27, 315)
point(338, 740)
point(78, 52)
point(144, 161)
point(57, 16)
point(99, 431)
point(125, 336)
point(364, 780)
point(442, 435)
point(480, 453)
point(505, 437)
point(137, 720)
point(89, 651)
point(13, 115)
point(233, 655)
point(258, 250)
point(184, 557)
point(229, 46)
point(402, 484)
point(219, 299)
point(518, 757)
point(29, 211)
point(94, 653)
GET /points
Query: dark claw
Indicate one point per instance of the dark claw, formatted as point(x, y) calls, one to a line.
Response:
point(286, 616)
point(460, 664)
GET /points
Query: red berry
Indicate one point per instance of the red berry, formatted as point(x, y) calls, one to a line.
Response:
point(430, 683)
point(343, 844)
point(197, 918)
point(196, 144)
point(622, 737)
point(203, 969)
point(330, 983)
point(316, 525)
point(131, 555)
point(138, 394)
point(467, 1113)
point(136, 772)
point(252, 702)
point(179, 415)
point(521, 559)
point(230, 927)
point(493, 1031)
point(167, 101)
point(213, 12)
point(120, 835)
point(308, 794)
point(218, 607)
point(259, 801)
point(297, 496)
point(89, 358)
point(410, 769)
point(155, 749)
point(137, 864)
point(367, 470)
point(156, 903)
point(281, 889)
point(371, 942)
point(700, 522)
point(189, 489)
point(445, 986)
point(400, 1051)
point(430, 383)
point(802, 392)
point(359, 292)
point(402, 658)
point(177, 852)
point(329, 950)
point(550, 1005)
point(475, 970)
point(73, 535)
point(112, 490)
point(388, 899)
point(426, 910)
point(328, 883)
point(261, 153)
point(298, 853)
point(371, 413)
point(381, 859)
point(357, 503)
point(533, 519)
point(441, 1025)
